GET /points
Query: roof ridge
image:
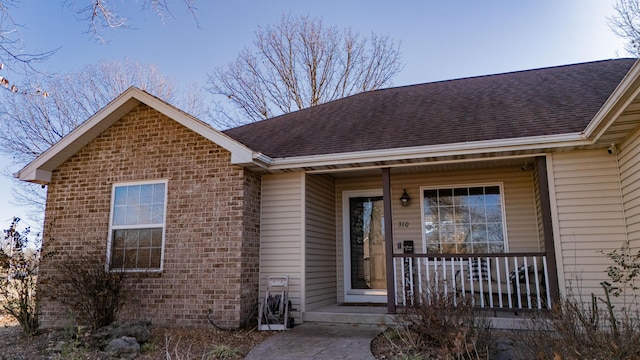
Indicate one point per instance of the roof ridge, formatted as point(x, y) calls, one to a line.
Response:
point(502, 73)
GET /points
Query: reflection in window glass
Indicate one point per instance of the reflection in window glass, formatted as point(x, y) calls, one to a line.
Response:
point(464, 220)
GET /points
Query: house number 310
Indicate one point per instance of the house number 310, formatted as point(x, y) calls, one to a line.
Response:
point(403, 224)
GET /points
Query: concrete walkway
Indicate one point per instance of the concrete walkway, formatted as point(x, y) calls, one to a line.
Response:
point(318, 342)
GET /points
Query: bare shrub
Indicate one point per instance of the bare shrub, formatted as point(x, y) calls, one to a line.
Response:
point(19, 261)
point(92, 292)
point(606, 327)
point(444, 325)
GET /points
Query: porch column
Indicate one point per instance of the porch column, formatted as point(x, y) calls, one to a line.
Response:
point(388, 239)
point(547, 228)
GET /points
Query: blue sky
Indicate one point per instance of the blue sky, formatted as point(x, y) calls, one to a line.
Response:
point(439, 39)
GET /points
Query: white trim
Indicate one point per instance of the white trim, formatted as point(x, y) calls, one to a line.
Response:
point(597, 126)
point(39, 170)
point(164, 221)
point(303, 243)
point(425, 163)
point(432, 151)
point(356, 295)
point(503, 210)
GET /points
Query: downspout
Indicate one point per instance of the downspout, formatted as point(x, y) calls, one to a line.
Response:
point(388, 239)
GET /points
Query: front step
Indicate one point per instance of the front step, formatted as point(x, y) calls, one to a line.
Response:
point(346, 314)
point(377, 315)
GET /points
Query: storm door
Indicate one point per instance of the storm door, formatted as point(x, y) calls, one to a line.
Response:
point(365, 263)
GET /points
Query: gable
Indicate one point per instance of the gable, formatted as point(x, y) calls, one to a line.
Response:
point(145, 141)
point(39, 170)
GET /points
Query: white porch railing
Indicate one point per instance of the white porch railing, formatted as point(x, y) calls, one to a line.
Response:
point(496, 281)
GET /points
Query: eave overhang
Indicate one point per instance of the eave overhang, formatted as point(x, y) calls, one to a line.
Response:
point(39, 170)
point(597, 134)
point(621, 98)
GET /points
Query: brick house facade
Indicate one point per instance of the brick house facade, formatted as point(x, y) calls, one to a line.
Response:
point(211, 244)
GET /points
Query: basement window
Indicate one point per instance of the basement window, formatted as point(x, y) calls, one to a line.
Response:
point(137, 226)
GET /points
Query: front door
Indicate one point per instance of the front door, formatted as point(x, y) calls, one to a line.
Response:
point(365, 263)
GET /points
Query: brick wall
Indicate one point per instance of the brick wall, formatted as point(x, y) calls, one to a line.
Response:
point(212, 220)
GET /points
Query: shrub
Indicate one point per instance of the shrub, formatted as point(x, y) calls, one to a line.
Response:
point(92, 292)
point(606, 327)
point(445, 323)
point(19, 260)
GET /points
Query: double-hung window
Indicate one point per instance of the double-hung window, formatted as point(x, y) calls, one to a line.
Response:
point(464, 219)
point(137, 226)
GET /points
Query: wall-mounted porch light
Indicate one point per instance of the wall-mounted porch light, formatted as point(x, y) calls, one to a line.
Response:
point(404, 199)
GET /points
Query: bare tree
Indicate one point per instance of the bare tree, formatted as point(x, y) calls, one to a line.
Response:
point(12, 50)
point(300, 63)
point(100, 15)
point(30, 124)
point(626, 24)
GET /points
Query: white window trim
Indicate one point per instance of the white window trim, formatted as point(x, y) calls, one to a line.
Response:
point(112, 227)
point(467, 185)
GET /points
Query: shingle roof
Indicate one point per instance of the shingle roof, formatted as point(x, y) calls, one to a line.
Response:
point(548, 101)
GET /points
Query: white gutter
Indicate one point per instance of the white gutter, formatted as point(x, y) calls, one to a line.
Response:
point(458, 149)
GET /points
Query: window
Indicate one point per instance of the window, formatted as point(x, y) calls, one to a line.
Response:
point(463, 220)
point(136, 233)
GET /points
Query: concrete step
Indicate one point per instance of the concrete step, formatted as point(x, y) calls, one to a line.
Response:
point(339, 314)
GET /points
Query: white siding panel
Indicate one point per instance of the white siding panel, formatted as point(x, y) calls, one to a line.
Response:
point(589, 215)
point(320, 242)
point(281, 232)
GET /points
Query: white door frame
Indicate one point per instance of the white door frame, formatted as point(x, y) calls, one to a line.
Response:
point(356, 295)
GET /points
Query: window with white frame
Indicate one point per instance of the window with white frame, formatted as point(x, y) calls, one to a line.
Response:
point(464, 220)
point(136, 234)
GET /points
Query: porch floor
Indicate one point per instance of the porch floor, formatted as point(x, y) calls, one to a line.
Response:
point(377, 315)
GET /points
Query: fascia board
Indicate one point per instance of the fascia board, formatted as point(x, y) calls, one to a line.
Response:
point(467, 148)
point(620, 98)
point(38, 176)
point(240, 154)
point(39, 170)
point(78, 138)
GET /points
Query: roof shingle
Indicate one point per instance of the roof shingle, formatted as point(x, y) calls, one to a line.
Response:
point(548, 101)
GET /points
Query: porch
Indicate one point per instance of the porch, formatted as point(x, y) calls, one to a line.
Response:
point(507, 287)
point(354, 227)
point(358, 314)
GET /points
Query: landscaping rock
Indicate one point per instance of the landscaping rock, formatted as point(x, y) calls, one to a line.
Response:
point(140, 330)
point(123, 348)
point(503, 349)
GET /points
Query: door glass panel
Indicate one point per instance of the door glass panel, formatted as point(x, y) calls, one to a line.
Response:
point(368, 266)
